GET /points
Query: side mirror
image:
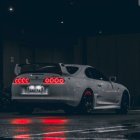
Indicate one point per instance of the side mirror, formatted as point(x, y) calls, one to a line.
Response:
point(112, 78)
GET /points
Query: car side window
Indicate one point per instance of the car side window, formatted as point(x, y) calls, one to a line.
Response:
point(72, 69)
point(95, 74)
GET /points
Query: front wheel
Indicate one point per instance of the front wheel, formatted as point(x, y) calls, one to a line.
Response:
point(124, 105)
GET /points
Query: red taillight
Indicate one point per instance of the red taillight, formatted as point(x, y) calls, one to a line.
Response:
point(22, 80)
point(54, 80)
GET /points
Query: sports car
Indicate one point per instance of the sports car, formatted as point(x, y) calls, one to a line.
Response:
point(70, 87)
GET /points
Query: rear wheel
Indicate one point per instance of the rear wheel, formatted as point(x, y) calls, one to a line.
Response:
point(86, 105)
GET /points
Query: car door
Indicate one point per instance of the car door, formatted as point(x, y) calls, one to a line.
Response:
point(108, 94)
point(105, 93)
point(116, 93)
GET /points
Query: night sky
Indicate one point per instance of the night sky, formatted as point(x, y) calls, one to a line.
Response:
point(69, 17)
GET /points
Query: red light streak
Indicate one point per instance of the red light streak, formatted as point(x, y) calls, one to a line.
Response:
point(21, 121)
point(54, 121)
point(22, 137)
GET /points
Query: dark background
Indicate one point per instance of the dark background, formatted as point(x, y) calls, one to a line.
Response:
point(101, 33)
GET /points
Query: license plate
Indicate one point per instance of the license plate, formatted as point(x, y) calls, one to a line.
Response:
point(35, 90)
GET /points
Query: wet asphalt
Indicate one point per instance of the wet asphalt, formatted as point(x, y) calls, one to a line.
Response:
point(59, 126)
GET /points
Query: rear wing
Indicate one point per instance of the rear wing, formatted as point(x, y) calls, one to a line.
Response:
point(60, 67)
point(17, 69)
point(63, 69)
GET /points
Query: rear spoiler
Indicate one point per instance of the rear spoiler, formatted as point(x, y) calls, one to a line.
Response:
point(18, 67)
point(63, 68)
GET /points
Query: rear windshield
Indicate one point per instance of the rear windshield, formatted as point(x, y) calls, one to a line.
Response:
point(72, 69)
point(40, 68)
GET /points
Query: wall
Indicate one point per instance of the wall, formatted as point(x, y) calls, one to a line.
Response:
point(10, 58)
point(114, 55)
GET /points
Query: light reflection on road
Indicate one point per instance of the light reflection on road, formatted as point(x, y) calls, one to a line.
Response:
point(44, 127)
point(64, 127)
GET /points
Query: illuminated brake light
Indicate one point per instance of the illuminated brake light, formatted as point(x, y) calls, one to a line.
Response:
point(54, 80)
point(22, 80)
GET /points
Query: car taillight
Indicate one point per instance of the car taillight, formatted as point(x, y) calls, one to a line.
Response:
point(54, 80)
point(22, 80)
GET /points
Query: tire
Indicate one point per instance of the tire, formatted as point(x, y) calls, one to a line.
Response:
point(86, 105)
point(124, 105)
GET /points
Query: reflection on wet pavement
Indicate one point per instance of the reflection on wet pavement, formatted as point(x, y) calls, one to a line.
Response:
point(102, 127)
point(42, 128)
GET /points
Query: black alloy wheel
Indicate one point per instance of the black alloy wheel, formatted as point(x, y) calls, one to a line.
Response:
point(124, 105)
point(87, 102)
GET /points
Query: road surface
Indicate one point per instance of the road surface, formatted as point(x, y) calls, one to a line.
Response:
point(59, 126)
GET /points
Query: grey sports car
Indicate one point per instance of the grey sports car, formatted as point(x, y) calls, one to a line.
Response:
point(70, 87)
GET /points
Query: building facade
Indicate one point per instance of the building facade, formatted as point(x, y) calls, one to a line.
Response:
point(115, 55)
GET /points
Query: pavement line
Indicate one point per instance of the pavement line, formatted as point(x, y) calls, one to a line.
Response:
point(115, 130)
point(107, 129)
point(58, 132)
point(104, 131)
point(111, 127)
point(70, 138)
point(100, 130)
point(134, 110)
